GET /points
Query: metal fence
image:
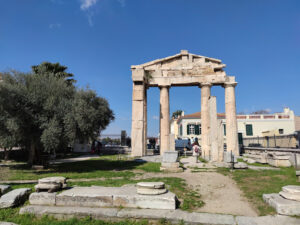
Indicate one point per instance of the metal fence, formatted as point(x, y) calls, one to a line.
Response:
point(279, 141)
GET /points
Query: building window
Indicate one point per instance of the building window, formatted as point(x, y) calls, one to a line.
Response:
point(180, 130)
point(194, 129)
point(249, 130)
point(280, 131)
point(224, 126)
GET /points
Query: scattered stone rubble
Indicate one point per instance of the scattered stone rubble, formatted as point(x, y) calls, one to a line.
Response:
point(170, 162)
point(51, 184)
point(14, 198)
point(287, 202)
point(276, 159)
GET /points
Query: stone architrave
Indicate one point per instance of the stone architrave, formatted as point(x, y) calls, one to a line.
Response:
point(231, 122)
point(164, 119)
point(213, 129)
point(205, 120)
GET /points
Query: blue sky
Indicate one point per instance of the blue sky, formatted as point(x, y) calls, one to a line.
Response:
point(258, 40)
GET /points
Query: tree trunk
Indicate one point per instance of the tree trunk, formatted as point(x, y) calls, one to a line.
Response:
point(6, 154)
point(31, 157)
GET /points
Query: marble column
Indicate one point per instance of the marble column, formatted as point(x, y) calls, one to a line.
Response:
point(138, 120)
point(231, 122)
point(164, 119)
point(213, 129)
point(205, 120)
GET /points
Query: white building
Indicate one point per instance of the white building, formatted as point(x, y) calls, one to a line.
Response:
point(249, 126)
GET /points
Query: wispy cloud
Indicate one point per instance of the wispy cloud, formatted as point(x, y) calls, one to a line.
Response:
point(86, 4)
point(54, 25)
point(155, 117)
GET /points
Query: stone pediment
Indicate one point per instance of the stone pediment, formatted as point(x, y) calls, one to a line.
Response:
point(183, 63)
point(180, 69)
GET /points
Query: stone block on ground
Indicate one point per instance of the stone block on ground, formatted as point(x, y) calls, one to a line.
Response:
point(86, 197)
point(4, 189)
point(293, 189)
point(150, 188)
point(170, 157)
point(51, 184)
point(229, 157)
point(279, 159)
point(48, 187)
point(42, 198)
point(14, 198)
point(151, 185)
point(126, 196)
point(240, 165)
point(282, 206)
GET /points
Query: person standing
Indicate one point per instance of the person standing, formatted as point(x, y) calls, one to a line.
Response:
point(196, 150)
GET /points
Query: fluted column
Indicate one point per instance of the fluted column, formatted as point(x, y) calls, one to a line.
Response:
point(205, 120)
point(231, 122)
point(164, 119)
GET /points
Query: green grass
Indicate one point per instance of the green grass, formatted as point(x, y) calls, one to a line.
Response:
point(12, 215)
point(253, 164)
point(256, 183)
point(102, 167)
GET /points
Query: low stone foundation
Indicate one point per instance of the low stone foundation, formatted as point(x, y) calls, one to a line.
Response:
point(98, 196)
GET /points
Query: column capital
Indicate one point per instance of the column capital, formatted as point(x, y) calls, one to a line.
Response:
point(164, 86)
point(205, 84)
point(229, 84)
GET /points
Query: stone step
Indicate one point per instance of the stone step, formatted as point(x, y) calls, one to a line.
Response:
point(282, 206)
point(292, 189)
point(176, 216)
point(98, 196)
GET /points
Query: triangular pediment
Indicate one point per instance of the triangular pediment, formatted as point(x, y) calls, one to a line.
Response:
point(185, 63)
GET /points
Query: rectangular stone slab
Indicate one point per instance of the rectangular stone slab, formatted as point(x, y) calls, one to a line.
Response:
point(42, 198)
point(14, 197)
point(4, 189)
point(170, 157)
point(86, 197)
point(282, 206)
point(126, 196)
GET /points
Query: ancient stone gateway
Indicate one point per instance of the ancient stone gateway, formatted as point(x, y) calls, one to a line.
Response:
point(183, 69)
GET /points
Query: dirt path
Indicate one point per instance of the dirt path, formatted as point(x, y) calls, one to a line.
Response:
point(220, 193)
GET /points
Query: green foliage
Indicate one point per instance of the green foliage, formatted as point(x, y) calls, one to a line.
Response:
point(176, 114)
point(43, 111)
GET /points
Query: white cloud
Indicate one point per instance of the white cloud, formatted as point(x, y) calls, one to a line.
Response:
point(155, 117)
point(54, 25)
point(86, 4)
